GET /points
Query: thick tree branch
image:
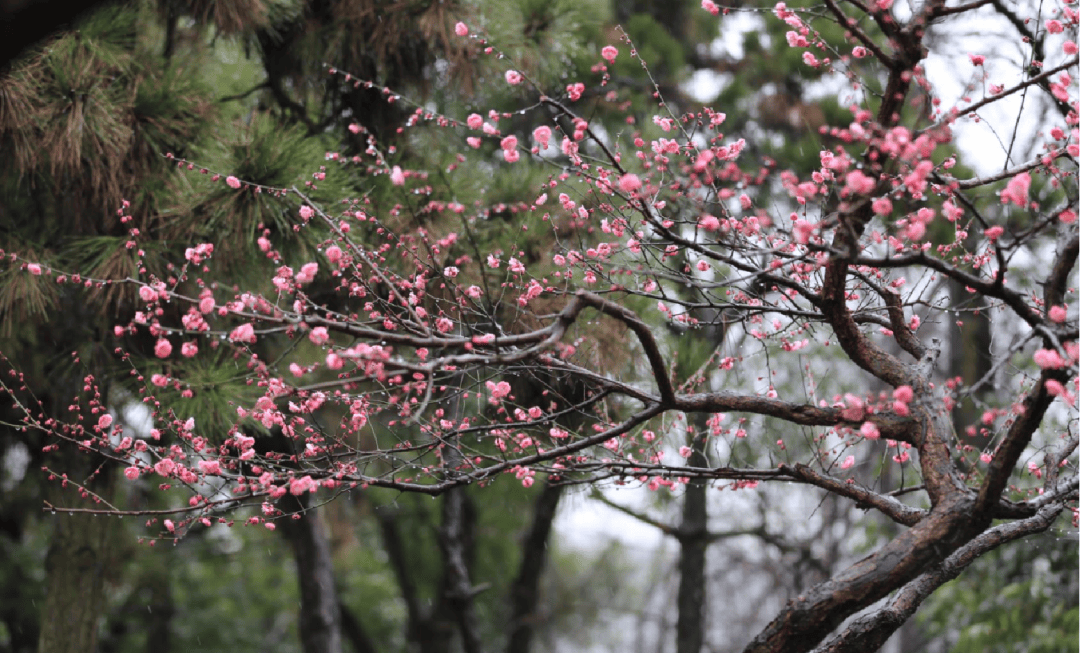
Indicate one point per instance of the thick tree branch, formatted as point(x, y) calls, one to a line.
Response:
point(870, 632)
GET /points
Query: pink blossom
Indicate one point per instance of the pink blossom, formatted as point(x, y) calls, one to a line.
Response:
point(709, 222)
point(397, 177)
point(211, 467)
point(1054, 26)
point(858, 52)
point(206, 304)
point(993, 233)
point(509, 143)
point(1058, 314)
point(685, 451)
point(848, 463)
point(163, 348)
point(165, 466)
point(986, 457)
point(904, 393)
point(307, 273)
point(511, 156)
point(609, 52)
point(870, 431)
point(169, 525)
point(319, 336)
point(1049, 359)
point(629, 183)
point(34, 269)
point(542, 134)
point(575, 91)
point(513, 77)
point(796, 40)
point(160, 380)
point(802, 231)
point(243, 333)
point(189, 349)
point(233, 182)
point(498, 390)
point(298, 486)
point(474, 121)
point(810, 60)
point(443, 324)
point(710, 6)
point(977, 59)
point(882, 206)
point(306, 212)
point(915, 230)
point(334, 254)
point(1069, 47)
point(131, 473)
point(147, 294)
point(1017, 190)
point(859, 183)
point(461, 29)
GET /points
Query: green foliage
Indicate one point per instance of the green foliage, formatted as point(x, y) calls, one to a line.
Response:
point(1016, 599)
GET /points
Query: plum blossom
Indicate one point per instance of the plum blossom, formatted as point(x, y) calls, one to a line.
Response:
point(243, 333)
point(461, 29)
point(870, 431)
point(513, 77)
point(498, 390)
point(233, 182)
point(319, 336)
point(397, 177)
point(609, 52)
point(629, 183)
point(1049, 359)
point(1017, 190)
point(542, 134)
point(163, 348)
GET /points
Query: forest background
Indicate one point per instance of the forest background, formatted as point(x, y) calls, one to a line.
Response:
point(251, 90)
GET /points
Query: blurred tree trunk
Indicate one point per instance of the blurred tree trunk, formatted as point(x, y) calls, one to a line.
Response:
point(76, 565)
point(693, 536)
point(320, 615)
point(525, 592)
